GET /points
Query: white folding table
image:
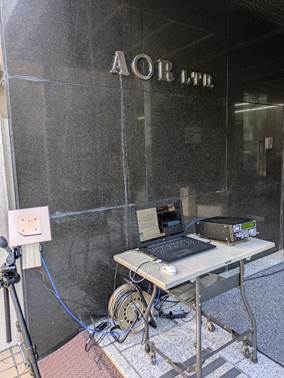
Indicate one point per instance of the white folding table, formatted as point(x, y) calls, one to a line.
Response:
point(194, 284)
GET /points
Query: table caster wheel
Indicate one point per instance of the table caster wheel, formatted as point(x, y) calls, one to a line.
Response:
point(153, 359)
point(211, 327)
point(195, 344)
point(254, 359)
point(246, 351)
point(147, 348)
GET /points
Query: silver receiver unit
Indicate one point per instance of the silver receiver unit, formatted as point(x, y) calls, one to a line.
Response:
point(228, 229)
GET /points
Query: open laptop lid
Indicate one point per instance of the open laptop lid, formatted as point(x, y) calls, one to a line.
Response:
point(159, 223)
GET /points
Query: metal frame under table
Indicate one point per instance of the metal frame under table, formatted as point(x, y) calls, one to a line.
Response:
point(195, 284)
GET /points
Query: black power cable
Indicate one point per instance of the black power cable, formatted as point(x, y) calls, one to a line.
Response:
point(264, 275)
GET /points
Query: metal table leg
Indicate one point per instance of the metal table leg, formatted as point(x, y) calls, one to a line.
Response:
point(146, 317)
point(249, 311)
point(152, 349)
point(198, 329)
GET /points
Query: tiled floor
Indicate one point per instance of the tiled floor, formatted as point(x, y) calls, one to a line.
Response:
point(177, 342)
point(12, 363)
point(175, 338)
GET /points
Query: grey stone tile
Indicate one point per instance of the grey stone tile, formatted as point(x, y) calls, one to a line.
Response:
point(170, 343)
point(186, 37)
point(232, 353)
point(62, 41)
point(67, 156)
point(168, 155)
point(173, 37)
point(215, 367)
point(247, 83)
point(120, 362)
point(194, 14)
point(163, 325)
point(264, 368)
point(223, 370)
point(177, 144)
point(214, 340)
point(137, 131)
point(132, 228)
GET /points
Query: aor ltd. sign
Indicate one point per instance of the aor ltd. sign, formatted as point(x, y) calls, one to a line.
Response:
point(164, 70)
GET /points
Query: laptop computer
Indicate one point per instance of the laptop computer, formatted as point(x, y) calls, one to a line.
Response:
point(162, 234)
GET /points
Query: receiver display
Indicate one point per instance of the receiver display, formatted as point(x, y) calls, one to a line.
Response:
point(248, 225)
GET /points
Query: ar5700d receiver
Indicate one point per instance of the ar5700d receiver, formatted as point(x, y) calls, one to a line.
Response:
point(229, 229)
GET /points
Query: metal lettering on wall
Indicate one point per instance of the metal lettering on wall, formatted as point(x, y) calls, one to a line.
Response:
point(165, 71)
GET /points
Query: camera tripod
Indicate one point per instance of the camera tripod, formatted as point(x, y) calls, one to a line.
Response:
point(8, 278)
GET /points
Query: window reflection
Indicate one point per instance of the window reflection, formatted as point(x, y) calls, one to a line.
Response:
point(261, 133)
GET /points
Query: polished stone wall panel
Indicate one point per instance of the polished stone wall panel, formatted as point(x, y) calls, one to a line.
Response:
point(68, 145)
point(66, 41)
point(171, 147)
point(200, 14)
point(47, 322)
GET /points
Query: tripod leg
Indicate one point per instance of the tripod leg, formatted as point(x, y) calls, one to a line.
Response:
point(25, 333)
point(7, 314)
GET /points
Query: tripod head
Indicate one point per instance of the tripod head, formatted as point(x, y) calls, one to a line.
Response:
point(3, 242)
point(8, 271)
point(13, 254)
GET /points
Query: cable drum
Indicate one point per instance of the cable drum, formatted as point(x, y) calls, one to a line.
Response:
point(123, 306)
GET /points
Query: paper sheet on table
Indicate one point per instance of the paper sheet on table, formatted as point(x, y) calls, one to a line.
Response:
point(148, 224)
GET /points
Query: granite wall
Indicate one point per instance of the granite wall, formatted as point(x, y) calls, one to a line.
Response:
point(92, 145)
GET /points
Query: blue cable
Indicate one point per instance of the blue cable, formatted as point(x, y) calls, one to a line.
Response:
point(64, 305)
point(158, 296)
point(192, 223)
point(158, 293)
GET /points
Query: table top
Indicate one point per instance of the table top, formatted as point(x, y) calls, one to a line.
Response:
point(189, 268)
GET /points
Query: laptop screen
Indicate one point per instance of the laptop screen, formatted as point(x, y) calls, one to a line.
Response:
point(159, 222)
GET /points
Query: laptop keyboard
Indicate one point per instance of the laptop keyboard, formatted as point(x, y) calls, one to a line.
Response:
point(178, 248)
